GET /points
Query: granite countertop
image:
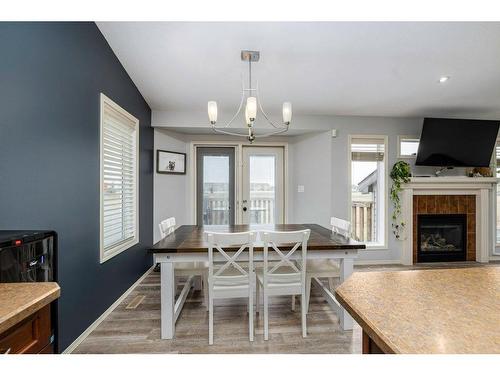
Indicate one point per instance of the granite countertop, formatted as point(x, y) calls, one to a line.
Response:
point(427, 311)
point(20, 300)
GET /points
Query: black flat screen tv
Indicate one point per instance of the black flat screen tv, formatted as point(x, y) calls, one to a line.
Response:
point(456, 142)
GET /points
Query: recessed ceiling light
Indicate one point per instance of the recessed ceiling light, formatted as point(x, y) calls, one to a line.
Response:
point(443, 79)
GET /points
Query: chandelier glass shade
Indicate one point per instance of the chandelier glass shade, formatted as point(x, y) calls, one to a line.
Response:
point(251, 104)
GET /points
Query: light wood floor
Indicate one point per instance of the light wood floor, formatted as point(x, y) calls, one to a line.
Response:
point(134, 326)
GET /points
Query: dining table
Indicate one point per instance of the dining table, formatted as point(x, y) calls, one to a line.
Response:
point(188, 243)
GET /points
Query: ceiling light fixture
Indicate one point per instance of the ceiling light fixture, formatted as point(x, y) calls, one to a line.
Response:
point(251, 101)
point(443, 79)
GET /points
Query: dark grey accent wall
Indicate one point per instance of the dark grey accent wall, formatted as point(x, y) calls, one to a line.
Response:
point(51, 75)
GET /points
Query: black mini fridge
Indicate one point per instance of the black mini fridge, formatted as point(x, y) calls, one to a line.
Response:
point(30, 256)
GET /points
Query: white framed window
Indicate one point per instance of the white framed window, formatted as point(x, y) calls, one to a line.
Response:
point(368, 193)
point(407, 146)
point(119, 191)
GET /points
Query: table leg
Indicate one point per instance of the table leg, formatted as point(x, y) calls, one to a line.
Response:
point(167, 300)
point(346, 268)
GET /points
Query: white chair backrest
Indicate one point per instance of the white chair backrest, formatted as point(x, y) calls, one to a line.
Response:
point(341, 226)
point(217, 242)
point(292, 240)
point(167, 226)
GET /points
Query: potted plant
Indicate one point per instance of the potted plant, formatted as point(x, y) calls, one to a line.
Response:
point(400, 174)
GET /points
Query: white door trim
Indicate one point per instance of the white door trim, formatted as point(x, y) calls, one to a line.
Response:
point(238, 145)
point(279, 153)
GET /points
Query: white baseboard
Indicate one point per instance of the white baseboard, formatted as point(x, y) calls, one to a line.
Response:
point(494, 257)
point(98, 321)
point(375, 262)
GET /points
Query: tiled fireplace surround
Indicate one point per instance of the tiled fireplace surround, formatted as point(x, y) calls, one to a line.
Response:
point(451, 195)
point(447, 204)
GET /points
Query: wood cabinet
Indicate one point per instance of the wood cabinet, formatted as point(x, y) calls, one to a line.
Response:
point(369, 346)
point(30, 336)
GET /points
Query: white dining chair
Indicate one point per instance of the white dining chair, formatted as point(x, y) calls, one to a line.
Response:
point(167, 226)
point(229, 278)
point(286, 277)
point(186, 269)
point(325, 268)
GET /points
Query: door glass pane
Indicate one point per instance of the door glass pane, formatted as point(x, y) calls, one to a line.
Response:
point(262, 189)
point(216, 195)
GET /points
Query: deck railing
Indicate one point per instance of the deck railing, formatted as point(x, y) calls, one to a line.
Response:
point(261, 207)
point(362, 217)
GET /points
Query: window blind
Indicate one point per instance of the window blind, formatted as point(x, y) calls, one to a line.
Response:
point(497, 158)
point(119, 133)
point(367, 149)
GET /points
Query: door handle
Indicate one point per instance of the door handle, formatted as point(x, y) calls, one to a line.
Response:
point(244, 209)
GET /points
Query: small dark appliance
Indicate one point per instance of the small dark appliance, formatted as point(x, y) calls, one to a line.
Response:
point(29, 256)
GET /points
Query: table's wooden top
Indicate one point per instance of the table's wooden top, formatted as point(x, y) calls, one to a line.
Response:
point(20, 300)
point(190, 238)
point(444, 311)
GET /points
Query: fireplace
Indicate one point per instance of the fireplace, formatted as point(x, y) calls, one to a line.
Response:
point(450, 196)
point(441, 238)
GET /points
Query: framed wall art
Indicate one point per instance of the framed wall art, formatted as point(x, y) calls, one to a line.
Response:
point(170, 162)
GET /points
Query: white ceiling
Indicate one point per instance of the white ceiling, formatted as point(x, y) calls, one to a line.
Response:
point(365, 69)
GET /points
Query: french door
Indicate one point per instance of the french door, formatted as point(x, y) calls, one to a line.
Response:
point(248, 191)
point(262, 185)
point(215, 185)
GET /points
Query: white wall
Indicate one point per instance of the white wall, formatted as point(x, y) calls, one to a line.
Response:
point(170, 198)
point(310, 158)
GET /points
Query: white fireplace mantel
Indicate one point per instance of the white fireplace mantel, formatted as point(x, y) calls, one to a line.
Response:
point(481, 187)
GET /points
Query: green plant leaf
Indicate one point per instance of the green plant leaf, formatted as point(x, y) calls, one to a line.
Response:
point(400, 174)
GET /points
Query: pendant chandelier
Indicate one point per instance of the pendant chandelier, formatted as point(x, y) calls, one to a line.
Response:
point(251, 102)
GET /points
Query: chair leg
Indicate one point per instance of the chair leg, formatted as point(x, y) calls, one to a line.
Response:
point(266, 316)
point(252, 283)
point(257, 297)
point(210, 320)
point(303, 308)
point(205, 290)
point(331, 284)
point(198, 280)
point(293, 302)
point(250, 313)
point(308, 293)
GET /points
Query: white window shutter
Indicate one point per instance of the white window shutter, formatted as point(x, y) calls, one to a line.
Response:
point(119, 179)
point(497, 157)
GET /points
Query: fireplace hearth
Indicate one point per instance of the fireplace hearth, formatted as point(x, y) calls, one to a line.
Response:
point(442, 238)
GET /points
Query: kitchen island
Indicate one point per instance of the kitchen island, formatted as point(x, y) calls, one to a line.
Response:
point(442, 311)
